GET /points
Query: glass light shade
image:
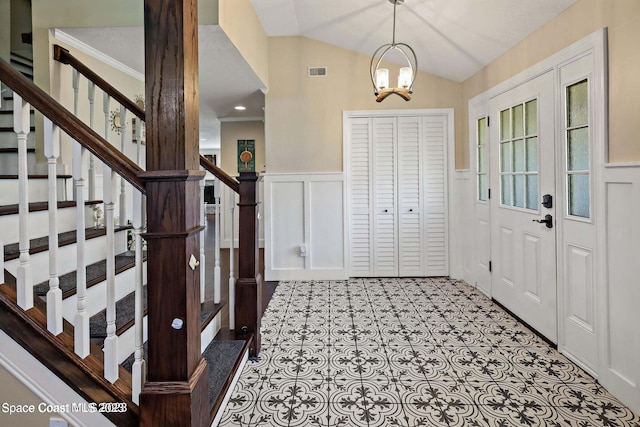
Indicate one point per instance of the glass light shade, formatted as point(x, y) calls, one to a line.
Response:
point(405, 77)
point(382, 78)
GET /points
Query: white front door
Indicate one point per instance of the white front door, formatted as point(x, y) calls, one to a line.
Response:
point(523, 179)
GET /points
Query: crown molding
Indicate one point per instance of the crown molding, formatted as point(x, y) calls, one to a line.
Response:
point(73, 42)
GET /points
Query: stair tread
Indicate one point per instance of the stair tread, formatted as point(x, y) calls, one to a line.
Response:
point(43, 206)
point(59, 176)
point(10, 129)
point(15, 150)
point(96, 273)
point(41, 244)
point(222, 357)
point(125, 312)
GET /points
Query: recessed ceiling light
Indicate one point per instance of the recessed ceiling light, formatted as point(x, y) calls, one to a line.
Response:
point(240, 107)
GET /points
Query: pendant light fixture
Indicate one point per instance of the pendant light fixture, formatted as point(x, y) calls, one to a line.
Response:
point(406, 74)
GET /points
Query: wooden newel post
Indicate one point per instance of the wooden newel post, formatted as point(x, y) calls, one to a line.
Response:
point(249, 283)
point(177, 389)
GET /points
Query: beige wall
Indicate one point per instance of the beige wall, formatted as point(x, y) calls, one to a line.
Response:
point(5, 29)
point(20, 23)
point(240, 23)
point(14, 392)
point(62, 90)
point(304, 114)
point(622, 17)
point(230, 133)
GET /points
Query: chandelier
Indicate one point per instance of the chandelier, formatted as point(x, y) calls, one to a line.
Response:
point(406, 74)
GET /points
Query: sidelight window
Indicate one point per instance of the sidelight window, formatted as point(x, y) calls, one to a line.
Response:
point(482, 158)
point(577, 149)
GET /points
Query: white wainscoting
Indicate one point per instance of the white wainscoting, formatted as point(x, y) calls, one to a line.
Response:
point(461, 245)
point(619, 300)
point(305, 227)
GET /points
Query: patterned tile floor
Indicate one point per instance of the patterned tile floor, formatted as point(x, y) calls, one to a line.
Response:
point(409, 352)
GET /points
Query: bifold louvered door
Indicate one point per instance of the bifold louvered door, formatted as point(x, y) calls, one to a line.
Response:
point(397, 184)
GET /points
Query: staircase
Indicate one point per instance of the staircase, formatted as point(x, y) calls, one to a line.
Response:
point(29, 329)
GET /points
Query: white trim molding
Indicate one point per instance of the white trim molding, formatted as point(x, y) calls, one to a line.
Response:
point(69, 40)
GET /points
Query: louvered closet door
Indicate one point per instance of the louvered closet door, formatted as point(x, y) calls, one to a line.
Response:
point(410, 207)
point(398, 206)
point(434, 133)
point(385, 241)
point(359, 134)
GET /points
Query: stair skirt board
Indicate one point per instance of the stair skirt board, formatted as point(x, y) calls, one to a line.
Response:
point(48, 388)
point(95, 250)
point(38, 223)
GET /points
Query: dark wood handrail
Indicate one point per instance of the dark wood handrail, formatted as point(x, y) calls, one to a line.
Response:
point(72, 125)
point(62, 55)
point(227, 179)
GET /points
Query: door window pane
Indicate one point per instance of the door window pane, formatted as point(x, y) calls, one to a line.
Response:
point(518, 191)
point(506, 189)
point(505, 157)
point(532, 192)
point(532, 154)
point(517, 117)
point(483, 194)
point(531, 117)
point(579, 195)
point(577, 104)
point(578, 151)
point(518, 155)
point(482, 159)
point(505, 119)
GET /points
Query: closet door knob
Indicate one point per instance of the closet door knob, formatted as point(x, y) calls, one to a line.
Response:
point(410, 210)
point(386, 210)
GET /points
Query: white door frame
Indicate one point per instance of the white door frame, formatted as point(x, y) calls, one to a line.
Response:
point(450, 162)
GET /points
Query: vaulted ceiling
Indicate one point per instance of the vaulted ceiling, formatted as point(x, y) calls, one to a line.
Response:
point(452, 38)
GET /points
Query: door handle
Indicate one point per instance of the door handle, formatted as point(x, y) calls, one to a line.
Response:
point(548, 221)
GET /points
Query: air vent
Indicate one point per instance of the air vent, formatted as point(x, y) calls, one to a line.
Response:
point(317, 71)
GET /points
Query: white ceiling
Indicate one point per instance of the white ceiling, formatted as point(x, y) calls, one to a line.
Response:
point(452, 38)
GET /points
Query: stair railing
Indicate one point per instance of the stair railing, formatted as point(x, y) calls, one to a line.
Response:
point(64, 56)
point(86, 141)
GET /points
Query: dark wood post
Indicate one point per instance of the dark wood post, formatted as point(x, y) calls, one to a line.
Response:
point(249, 283)
point(177, 391)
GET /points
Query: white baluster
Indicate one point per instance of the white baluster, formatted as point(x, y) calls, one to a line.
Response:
point(138, 369)
point(54, 295)
point(1, 262)
point(232, 279)
point(81, 323)
point(21, 126)
point(75, 83)
point(217, 270)
point(123, 136)
point(106, 99)
point(111, 341)
point(138, 132)
point(203, 221)
point(92, 170)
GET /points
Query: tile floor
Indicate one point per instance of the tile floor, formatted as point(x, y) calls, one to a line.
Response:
point(409, 352)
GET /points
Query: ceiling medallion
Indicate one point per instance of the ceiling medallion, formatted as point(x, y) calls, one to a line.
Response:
point(406, 74)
